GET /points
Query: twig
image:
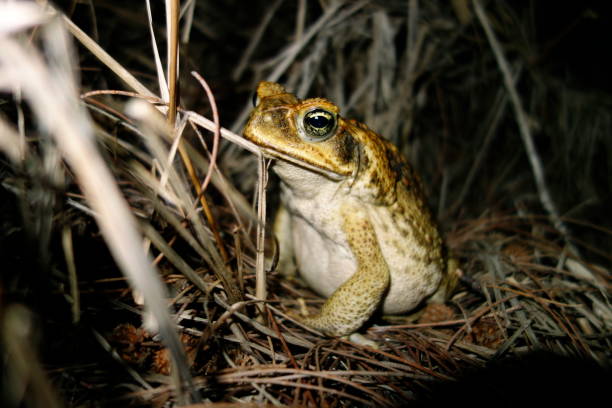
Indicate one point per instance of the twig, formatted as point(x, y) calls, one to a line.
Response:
point(161, 79)
point(525, 131)
point(255, 39)
point(495, 116)
point(52, 93)
point(298, 341)
point(110, 350)
point(173, 77)
point(106, 59)
point(72, 273)
point(217, 131)
point(187, 15)
point(290, 53)
point(260, 273)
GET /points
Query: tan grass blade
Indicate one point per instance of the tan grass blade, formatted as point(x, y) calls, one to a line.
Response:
point(51, 90)
point(161, 77)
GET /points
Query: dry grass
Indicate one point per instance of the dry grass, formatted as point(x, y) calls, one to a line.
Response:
point(108, 186)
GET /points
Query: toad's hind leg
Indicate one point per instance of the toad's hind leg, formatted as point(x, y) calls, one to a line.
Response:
point(449, 282)
point(352, 304)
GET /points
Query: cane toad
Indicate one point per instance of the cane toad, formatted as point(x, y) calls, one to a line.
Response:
point(353, 219)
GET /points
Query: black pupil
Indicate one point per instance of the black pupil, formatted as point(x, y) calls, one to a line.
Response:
point(318, 120)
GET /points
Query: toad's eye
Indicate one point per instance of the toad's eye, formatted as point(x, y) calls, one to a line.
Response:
point(319, 125)
point(255, 99)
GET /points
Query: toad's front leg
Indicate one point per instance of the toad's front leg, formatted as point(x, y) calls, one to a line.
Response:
point(354, 302)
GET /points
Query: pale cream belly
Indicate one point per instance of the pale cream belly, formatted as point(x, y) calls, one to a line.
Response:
point(325, 263)
point(321, 262)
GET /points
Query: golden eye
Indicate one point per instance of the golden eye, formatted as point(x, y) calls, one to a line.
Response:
point(319, 124)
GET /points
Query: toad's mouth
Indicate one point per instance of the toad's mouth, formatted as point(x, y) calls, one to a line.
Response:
point(275, 154)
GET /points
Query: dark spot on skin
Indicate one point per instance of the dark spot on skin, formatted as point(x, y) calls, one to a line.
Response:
point(374, 179)
point(396, 164)
point(346, 147)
